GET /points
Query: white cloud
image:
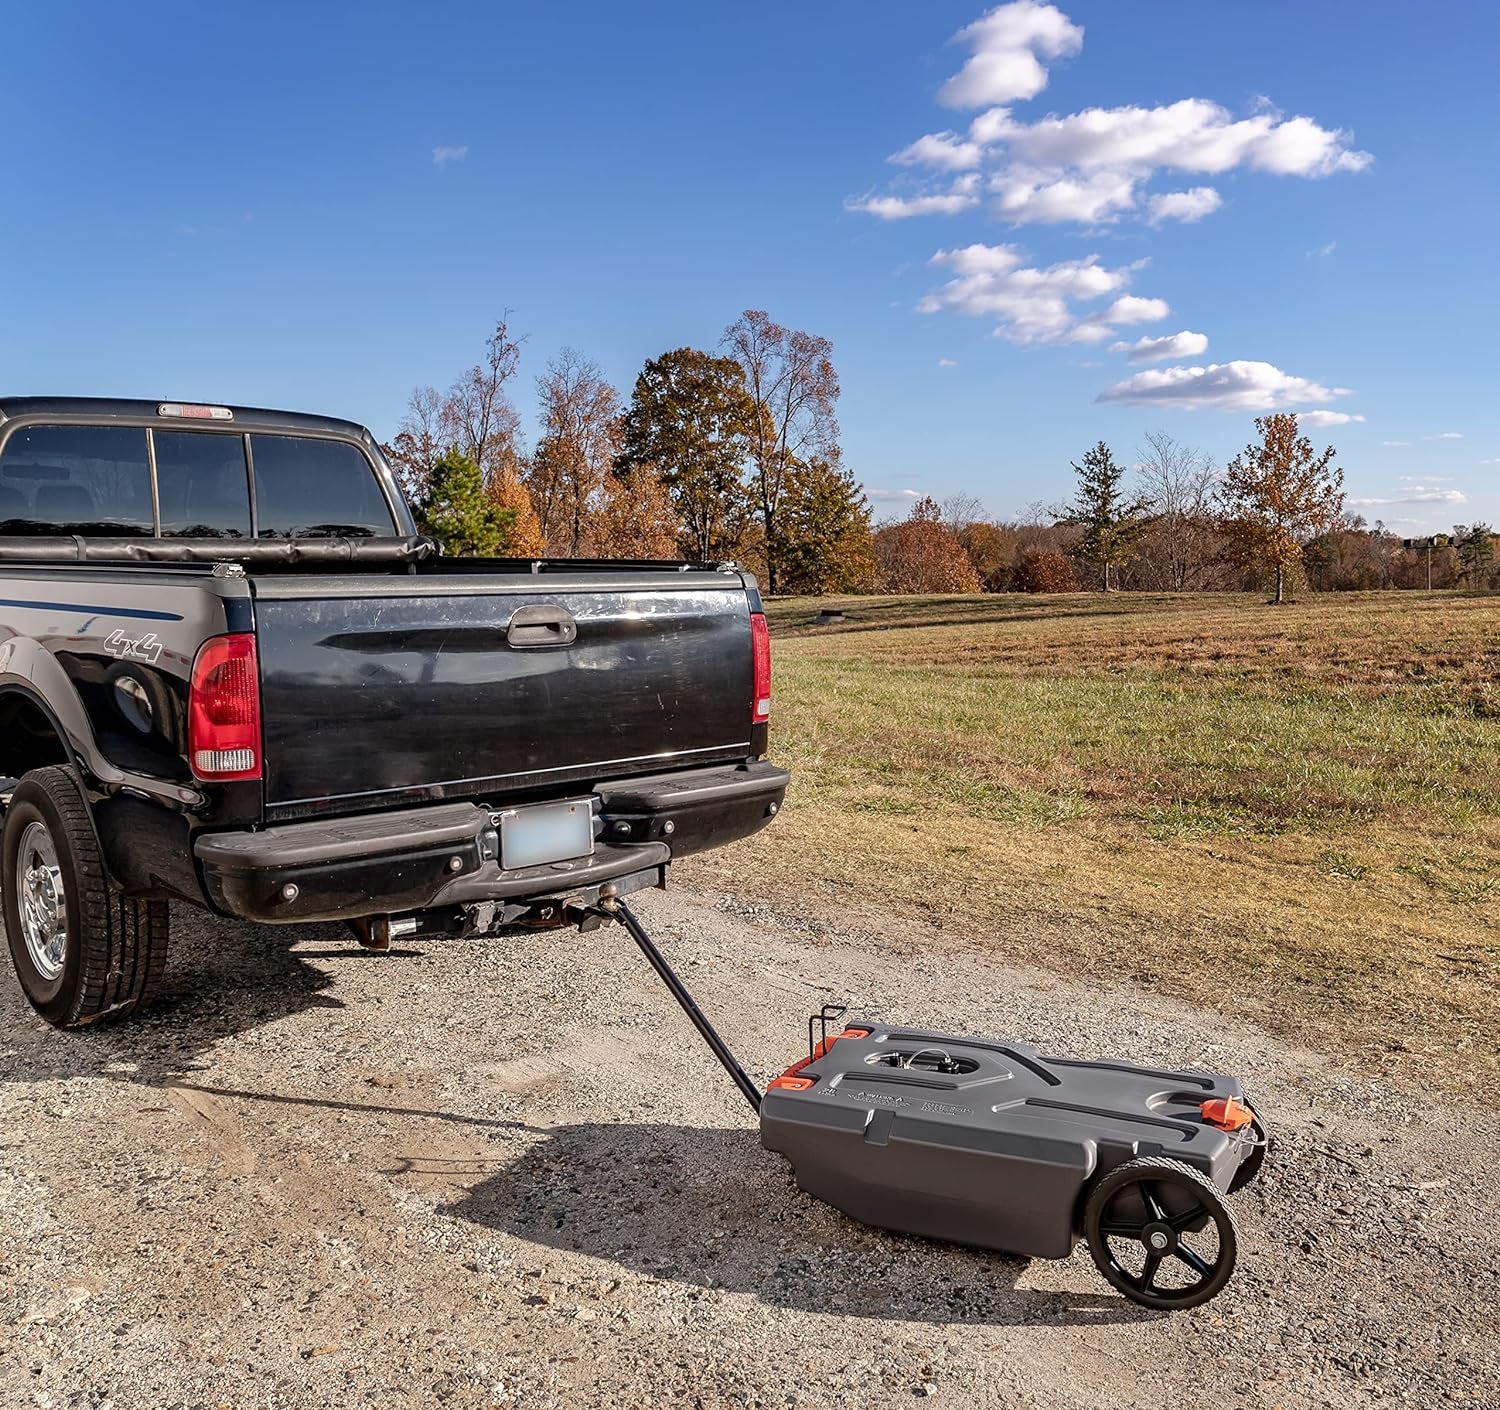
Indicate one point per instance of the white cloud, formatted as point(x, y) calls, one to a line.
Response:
point(945, 150)
point(1169, 345)
point(1187, 206)
point(1192, 134)
point(946, 362)
point(1490, 462)
point(1327, 418)
point(1446, 436)
point(1037, 305)
point(1395, 443)
point(1093, 166)
point(980, 259)
point(1417, 494)
point(1025, 195)
point(441, 156)
point(1224, 386)
point(959, 197)
point(1005, 43)
point(889, 496)
point(1131, 308)
point(1323, 250)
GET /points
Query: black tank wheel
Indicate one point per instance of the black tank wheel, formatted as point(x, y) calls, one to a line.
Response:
point(1160, 1233)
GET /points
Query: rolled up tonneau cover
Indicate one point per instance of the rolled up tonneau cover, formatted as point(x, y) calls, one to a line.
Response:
point(253, 552)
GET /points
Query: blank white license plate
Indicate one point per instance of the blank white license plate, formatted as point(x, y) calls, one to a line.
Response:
point(546, 832)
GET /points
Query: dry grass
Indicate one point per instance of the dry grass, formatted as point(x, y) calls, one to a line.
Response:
point(1292, 812)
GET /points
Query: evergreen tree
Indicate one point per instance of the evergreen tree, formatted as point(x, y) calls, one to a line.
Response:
point(1476, 553)
point(459, 513)
point(1112, 525)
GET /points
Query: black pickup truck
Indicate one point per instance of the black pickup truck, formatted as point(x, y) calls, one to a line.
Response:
point(232, 673)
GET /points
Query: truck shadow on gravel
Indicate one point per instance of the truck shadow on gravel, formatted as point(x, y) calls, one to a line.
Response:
point(223, 979)
point(711, 1209)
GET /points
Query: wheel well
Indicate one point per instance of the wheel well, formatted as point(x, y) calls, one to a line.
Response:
point(28, 738)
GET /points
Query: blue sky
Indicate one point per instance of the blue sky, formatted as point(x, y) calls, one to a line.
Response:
point(320, 207)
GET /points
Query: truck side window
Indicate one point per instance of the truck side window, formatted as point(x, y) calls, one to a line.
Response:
point(308, 488)
point(75, 480)
point(202, 485)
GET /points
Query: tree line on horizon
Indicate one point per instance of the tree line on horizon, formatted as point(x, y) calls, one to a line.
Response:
point(724, 455)
point(732, 454)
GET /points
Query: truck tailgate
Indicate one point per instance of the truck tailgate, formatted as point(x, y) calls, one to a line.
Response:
point(377, 690)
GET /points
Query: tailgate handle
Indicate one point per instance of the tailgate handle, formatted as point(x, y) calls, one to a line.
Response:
point(542, 625)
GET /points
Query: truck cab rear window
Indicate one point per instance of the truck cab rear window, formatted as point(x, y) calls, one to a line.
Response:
point(202, 485)
point(307, 488)
point(75, 480)
point(97, 480)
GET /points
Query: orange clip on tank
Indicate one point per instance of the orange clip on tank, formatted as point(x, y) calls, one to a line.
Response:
point(1227, 1114)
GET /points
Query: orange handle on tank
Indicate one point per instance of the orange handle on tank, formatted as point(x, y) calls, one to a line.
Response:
point(1227, 1114)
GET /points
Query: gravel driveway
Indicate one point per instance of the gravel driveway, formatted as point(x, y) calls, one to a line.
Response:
point(504, 1172)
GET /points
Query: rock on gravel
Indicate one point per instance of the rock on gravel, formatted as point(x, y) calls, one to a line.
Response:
point(505, 1173)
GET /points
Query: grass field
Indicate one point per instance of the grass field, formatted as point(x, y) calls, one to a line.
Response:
point(1293, 812)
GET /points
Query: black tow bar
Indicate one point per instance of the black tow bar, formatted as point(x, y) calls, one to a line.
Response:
point(616, 909)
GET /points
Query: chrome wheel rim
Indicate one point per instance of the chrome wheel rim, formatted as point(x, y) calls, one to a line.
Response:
point(42, 902)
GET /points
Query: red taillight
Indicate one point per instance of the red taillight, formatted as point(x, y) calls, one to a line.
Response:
point(224, 710)
point(760, 646)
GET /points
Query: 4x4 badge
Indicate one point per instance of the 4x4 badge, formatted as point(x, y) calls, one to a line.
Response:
point(145, 648)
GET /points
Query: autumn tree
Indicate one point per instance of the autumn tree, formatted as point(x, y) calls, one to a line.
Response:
point(1112, 524)
point(1178, 482)
point(634, 518)
point(507, 491)
point(1351, 557)
point(792, 384)
point(1277, 493)
point(826, 544)
point(920, 554)
point(688, 423)
point(579, 414)
point(1044, 570)
point(458, 512)
point(991, 547)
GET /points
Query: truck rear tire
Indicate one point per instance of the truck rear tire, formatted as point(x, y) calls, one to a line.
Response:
point(83, 949)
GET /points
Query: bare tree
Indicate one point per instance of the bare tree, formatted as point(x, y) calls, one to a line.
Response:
point(477, 415)
point(419, 442)
point(580, 434)
point(960, 510)
point(1180, 554)
point(791, 380)
point(473, 416)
